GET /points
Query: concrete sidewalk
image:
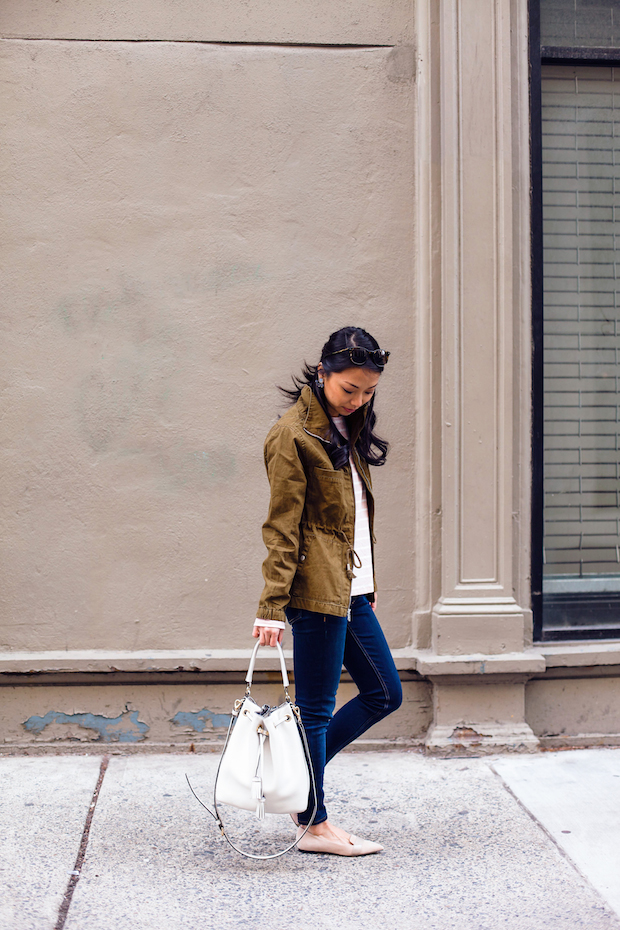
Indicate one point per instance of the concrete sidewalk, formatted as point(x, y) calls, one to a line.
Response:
point(519, 843)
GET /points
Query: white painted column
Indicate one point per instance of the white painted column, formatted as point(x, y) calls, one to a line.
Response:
point(473, 245)
point(476, 611)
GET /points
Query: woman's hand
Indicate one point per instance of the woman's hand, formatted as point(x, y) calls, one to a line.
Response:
point(268, 637)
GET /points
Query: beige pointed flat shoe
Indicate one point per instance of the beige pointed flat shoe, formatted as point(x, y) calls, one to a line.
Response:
point(321, 844)
point(369, 846)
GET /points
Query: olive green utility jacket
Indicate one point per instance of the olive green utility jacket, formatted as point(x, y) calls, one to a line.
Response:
point(309, 528)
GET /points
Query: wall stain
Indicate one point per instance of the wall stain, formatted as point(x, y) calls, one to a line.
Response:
point(126, 728)
point(138, 341)
point(232, 275)
point(199, 720)
point(401, 64)
point(219, 277)
point(214, 464)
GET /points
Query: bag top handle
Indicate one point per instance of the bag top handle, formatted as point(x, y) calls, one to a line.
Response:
point(250, 673)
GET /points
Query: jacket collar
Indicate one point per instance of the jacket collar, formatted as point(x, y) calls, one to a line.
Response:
point(316, 422)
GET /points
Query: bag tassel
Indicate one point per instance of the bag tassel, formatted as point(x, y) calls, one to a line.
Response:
point(257, 781)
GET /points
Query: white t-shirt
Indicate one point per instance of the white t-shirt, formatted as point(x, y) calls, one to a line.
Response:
point(363, 583)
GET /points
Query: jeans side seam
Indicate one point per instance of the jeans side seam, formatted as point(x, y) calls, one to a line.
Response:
point(386, 690)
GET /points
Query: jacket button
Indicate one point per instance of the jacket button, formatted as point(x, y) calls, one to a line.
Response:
point(302, 558)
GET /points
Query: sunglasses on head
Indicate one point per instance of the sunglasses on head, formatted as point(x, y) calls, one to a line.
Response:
point(359, 356)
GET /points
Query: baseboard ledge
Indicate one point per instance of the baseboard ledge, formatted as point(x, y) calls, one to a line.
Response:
point(579, 741)
point(197, 746)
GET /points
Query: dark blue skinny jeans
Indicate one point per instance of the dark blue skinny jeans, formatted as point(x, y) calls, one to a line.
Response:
point(322, 644)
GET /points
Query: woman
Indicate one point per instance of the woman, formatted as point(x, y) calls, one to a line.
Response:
point(319, 568)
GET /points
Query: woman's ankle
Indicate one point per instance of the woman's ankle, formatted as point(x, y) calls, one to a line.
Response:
point(325, 828)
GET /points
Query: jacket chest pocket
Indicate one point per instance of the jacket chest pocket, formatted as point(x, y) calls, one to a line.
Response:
point(328, 497)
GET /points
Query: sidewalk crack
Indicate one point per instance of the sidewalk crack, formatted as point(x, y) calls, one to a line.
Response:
point(77, 868)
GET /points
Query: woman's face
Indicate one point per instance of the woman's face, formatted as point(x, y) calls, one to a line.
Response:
point(346, 391)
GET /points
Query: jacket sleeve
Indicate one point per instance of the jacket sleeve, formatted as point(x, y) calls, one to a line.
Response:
point(281, 530)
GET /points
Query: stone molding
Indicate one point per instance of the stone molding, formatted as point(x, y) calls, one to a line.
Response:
point(425, 662)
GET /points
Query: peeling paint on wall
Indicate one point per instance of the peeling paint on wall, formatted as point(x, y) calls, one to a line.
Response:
point(126, 728)
point(199, 720)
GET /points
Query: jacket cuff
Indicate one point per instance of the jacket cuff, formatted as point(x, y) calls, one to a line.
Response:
point(271, 613)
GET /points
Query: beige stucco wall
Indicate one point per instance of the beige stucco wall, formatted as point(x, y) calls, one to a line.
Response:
point(184, 224)
point(348, 22)
point(194, 196)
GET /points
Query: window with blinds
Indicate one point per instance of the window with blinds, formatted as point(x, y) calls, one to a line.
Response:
point(580, 23)
point(581, 268)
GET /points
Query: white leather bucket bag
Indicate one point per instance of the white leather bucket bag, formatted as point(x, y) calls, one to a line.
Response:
point(265, 766)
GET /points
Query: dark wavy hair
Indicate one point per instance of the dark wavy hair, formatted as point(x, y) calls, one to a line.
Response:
point(367, 441)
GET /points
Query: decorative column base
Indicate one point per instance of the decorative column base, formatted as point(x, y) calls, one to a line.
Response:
point(479, 702)
point(462, 626)
point(480, 739)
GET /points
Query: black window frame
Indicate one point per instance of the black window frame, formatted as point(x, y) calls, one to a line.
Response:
point(543, 55)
